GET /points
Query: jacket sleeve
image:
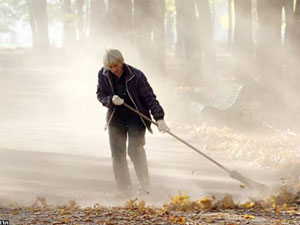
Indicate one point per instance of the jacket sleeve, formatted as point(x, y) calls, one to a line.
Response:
point(102, 91)
point(149, 98)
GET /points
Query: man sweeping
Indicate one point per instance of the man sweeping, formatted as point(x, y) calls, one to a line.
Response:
point(120, 83)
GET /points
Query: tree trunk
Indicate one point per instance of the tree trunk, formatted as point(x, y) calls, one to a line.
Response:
point(159, 34)
point(148, 24)
point(292, 43)
point(243, 43)
point(39, 23)
point(98, 20)
point(143, 21)
point(159, 19)
point(69, 24)
point(79, 19)
point(32, 24)
point(209, 69)
point(269, 46)
point(120, 19)
point(229, 9)
point(188, 40)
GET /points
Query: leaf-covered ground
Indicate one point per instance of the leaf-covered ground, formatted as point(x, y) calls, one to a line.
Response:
point(281, 209)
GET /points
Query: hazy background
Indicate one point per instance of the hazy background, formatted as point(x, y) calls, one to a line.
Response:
point(195, 45)
point(51, 52)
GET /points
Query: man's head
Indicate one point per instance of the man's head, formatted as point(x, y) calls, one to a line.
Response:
point(113, 60)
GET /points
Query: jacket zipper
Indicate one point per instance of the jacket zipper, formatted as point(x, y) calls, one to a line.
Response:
point(132, 99)
point(129, 97)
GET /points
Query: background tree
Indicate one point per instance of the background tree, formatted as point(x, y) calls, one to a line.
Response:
point(10, 11)
point(159, 33)
point(195, 39)
point(188, 38)
point(243, 41)
point(98, 21)
point(209, 69)
point(269, 43)
point(230, 22)
point(292, 42)
point(68, 16)
point(39, 23)
point(80, 19)
point(149, 30)
point(120, 19)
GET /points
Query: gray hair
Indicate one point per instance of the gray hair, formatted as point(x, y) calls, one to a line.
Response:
point(111, 57)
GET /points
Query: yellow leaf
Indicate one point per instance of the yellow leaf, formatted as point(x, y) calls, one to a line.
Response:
point(66, 220)
point(248, 205)
point(177, 219)
point(280, 221)
point(64, 212)
point(205, 203)
point(16, 212)
point(248, 216)
point(284, 206)
point(131, 204)
point(292, 212)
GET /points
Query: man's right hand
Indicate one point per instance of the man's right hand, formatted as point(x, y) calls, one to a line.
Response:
point(116, 100)
point(162, 126)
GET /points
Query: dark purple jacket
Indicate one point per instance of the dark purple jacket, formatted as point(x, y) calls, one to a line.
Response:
point(138, 89)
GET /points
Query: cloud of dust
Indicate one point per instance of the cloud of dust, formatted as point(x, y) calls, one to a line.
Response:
point(50, 105)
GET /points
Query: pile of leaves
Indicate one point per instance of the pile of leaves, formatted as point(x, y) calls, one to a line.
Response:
point(267, 147)
point(282, 201)
point(281, 209)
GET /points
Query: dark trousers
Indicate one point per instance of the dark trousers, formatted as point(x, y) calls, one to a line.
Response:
point(119, 132)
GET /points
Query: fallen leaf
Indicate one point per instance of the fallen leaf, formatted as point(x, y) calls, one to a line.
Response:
point(16, 212)
point(248, 216)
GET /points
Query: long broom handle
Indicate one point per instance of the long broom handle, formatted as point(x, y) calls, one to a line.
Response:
point(178, 138)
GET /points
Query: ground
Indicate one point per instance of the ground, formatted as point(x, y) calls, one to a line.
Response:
point(56, 168)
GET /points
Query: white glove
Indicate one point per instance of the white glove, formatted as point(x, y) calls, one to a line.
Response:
point(116, 100)
point(162, 126)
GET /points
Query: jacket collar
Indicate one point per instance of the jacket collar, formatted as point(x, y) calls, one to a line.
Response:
point(128, 72)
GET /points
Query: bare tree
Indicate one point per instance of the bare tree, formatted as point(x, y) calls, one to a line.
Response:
point(188, 38)
point(195, 40)
point(39, 23)
point(209, 69)
point(80, 18)
point(69, 23)
point(230, 26)
point(120, 18)
point(149, 29)
point(292, 41)
point(159, 32)
point(98, 21)
point(243, 41)
point(269, 45)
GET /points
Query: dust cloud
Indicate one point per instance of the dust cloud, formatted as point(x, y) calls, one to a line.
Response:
point(53, 143)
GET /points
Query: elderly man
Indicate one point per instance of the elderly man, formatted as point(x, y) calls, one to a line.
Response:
point(119, 82)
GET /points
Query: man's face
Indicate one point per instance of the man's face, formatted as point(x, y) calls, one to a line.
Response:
point(116, 68)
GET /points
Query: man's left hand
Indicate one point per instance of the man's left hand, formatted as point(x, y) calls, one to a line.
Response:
point(116, 100)
point(162, 126)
